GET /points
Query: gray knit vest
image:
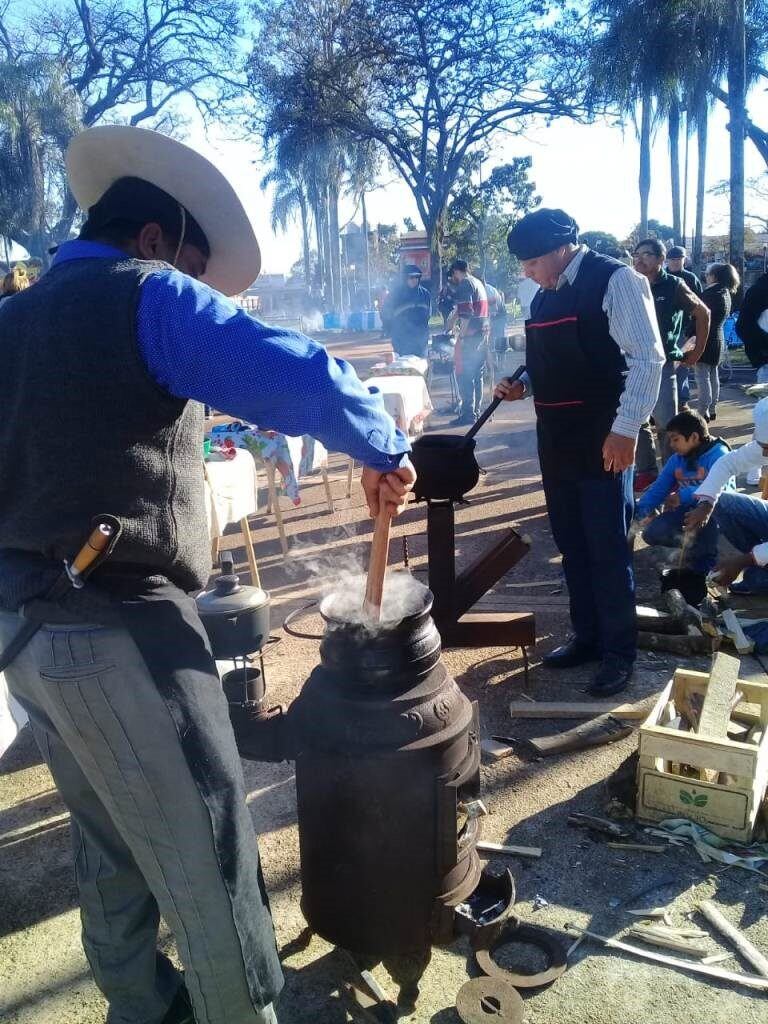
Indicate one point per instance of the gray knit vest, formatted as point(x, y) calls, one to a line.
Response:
point(85, 430)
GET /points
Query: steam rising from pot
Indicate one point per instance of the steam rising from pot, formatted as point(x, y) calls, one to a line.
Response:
point(403, 596)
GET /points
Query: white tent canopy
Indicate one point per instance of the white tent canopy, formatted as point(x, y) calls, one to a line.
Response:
point(11, 251)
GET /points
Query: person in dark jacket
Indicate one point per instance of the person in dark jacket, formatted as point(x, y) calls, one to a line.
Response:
point(675, 304)
point(751, 331)
point(676, 258)
point(409, 309)
point(722, 283)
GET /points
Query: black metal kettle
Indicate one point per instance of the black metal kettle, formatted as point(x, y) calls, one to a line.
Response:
point(236, 617)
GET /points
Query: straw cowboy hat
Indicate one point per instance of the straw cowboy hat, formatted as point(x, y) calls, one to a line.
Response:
point(99, 156)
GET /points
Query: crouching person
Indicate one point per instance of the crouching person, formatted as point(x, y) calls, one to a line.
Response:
point(741, 518)
point(695, 453)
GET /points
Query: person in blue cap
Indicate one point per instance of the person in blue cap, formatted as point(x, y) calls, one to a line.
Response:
point(593, 358)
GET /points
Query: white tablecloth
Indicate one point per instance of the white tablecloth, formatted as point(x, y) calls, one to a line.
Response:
point(231, 491)
point(406, 399)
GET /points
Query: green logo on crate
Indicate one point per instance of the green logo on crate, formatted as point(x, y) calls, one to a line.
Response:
point(696, 800)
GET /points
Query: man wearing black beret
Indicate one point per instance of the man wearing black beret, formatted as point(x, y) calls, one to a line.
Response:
point(593, 358)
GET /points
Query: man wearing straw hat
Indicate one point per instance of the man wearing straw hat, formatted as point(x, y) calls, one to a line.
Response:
point(106, 362)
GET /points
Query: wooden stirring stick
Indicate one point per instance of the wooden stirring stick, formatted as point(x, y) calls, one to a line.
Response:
point(377, 566)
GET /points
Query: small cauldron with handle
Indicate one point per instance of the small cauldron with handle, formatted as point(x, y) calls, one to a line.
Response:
point(445, 464)
point(235, 617)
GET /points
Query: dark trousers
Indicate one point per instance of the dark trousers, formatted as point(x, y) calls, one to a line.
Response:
point(470, 376)
point(667, 530)
point(590, 521)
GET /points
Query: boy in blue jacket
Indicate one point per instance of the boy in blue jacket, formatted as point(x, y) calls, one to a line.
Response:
point(695, 452)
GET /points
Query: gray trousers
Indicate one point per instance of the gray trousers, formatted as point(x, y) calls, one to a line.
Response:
point(664, 410)
point(142, 835)
point(708, 387)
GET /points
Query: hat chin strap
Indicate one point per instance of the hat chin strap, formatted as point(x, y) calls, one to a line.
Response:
point(181, 236)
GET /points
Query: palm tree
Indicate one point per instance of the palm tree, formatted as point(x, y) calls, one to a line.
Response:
point(704, 23)
point(38, 117)
point(362, 172)
point(635, 61)
point(289, 200)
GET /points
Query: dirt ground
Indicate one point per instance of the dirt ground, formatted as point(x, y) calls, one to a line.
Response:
point(43, 973)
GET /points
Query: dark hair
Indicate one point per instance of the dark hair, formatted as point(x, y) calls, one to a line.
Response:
point(130, 203)
point(687, 423)
point(725, 275)
point(459, 265)
point(657, 248)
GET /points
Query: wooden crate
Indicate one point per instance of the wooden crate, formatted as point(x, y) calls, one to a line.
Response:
point(728, 810)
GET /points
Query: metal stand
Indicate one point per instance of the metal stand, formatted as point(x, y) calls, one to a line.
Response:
point(456, 594)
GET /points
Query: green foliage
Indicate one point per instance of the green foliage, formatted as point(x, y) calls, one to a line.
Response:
point(79, 62)
point(664, 232)
point(38, 116)
point(602, 241)
point(480, 215)
point(427, 80)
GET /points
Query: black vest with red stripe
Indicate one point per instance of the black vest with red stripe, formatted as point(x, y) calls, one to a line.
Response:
point(577, 371)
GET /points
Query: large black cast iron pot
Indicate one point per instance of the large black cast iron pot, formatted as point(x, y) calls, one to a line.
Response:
point(235, 617)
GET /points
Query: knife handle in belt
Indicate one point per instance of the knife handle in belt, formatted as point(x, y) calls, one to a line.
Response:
point(94, 547)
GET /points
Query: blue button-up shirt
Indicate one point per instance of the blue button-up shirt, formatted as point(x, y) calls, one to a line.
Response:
point(198, 344)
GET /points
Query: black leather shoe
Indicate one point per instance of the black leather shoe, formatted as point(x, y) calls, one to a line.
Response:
point(613, 676)
point(570, 654)
point(180, 1010)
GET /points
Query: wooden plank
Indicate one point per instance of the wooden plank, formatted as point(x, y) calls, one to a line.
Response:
point(735, 937)
point(513, 851)
point(496, 751)
point(577, 709)
point(655, 937)
point(750, 980)
point(700, 751)
point(595, 733)
point(718, 698)
point(642, 847)
point(684, 643)
point(741, 641)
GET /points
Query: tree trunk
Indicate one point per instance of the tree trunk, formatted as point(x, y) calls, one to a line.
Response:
point(685, 174)
point(320, 271)
point(737, 126)
point(330, 284)
point(701, 183)
point(482, 258)
point(367, 256)
point(674, 166)
point(644, 179)
point(333, 206)
point(305, 237)
point(435, 228)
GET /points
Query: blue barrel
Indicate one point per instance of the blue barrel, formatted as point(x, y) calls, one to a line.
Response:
point(332, 321)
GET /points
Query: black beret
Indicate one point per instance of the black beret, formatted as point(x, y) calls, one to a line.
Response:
point(411, 270)
point(541, 232)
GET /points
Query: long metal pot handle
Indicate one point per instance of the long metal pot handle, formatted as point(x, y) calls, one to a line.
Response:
point(485, 416)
